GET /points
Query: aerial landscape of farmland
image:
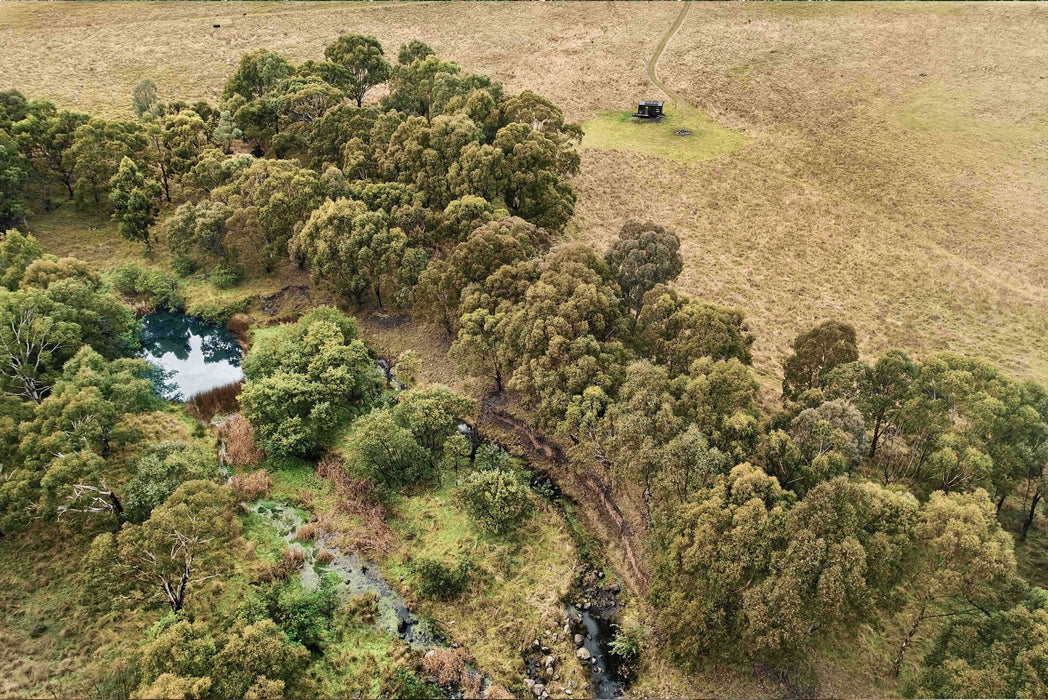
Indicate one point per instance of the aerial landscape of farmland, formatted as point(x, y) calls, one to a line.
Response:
point(523, 349)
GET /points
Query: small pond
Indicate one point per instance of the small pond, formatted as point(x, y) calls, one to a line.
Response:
point(194, 355)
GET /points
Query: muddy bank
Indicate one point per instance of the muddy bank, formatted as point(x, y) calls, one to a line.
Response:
point(584, 486)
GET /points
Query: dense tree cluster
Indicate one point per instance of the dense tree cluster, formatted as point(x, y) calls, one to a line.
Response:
point(398, 184)
point(771, 532)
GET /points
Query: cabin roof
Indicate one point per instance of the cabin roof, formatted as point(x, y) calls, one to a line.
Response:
point(651, 103)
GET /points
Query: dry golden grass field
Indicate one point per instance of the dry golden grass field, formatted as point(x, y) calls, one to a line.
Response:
point(882, 163)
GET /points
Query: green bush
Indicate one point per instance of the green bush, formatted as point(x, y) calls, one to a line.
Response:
point(218, 313)
point(304, 615)
point(224, 276)
point(156, 288)
point(497, 499)
point(161, 468)
point(401, 682)
point(630, 639)
point(183, 266)
point(434, 579)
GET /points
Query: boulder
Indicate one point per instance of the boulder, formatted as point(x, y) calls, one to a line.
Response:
point(582, 654)
point(578, 640)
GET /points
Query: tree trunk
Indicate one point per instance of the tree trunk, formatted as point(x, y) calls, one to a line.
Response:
point(1000, 504)
point(378, 295)
point(1030, 514)
point(876, 436)
point(167, 185)
point(118, 507)
point(498, 378)
point(897, 665)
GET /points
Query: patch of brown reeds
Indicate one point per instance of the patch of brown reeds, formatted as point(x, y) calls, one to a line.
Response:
point(293, 559)
point(357, 498)
point(248, 487)
point(448, 669)
point(222, 399)
point(239, 439)
point(239, 326)
point(306, 533)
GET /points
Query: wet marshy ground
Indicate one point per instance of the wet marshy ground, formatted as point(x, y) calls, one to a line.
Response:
point(392, 615)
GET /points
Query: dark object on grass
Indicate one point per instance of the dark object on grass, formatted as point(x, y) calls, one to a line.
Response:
point(649, 109)
point(683, 132)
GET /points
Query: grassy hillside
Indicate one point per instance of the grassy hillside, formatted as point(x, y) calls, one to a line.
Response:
point(893, 167)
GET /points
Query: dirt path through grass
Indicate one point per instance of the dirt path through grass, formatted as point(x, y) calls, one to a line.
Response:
point(653, 62)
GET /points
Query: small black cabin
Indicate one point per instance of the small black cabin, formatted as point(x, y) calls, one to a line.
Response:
point(649, 109)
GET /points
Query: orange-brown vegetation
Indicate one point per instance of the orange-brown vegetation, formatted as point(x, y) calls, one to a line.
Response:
point(238, 436)
point(222, 399)
point(248, 487)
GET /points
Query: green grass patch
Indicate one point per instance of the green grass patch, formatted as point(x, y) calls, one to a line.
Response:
point(618, 131)
point(517, 583)
point(269, 545)
point(938, 108)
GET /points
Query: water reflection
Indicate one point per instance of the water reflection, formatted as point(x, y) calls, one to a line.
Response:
point(192, 355)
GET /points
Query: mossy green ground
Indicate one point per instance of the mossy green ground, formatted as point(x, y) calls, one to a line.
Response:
point(518, 582)
point(517, 587)
point(357, 652)
point(618, 131)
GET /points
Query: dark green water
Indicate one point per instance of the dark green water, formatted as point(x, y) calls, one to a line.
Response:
point(194, 355)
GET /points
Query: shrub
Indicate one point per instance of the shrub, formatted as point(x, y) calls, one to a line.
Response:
point(157, 289)
point(449, 668)
point(434, 579)
point(408, 366)
point(401, 682)
point(629, 641)
point(306, 532)
point(248, 487)
point(292, 560)
point(183, 266)
point(224, 276)
point(496, 499)
point(388, 453)
point(304, 380)
point(160, 469)
point(304, 615)
point(239, 438)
